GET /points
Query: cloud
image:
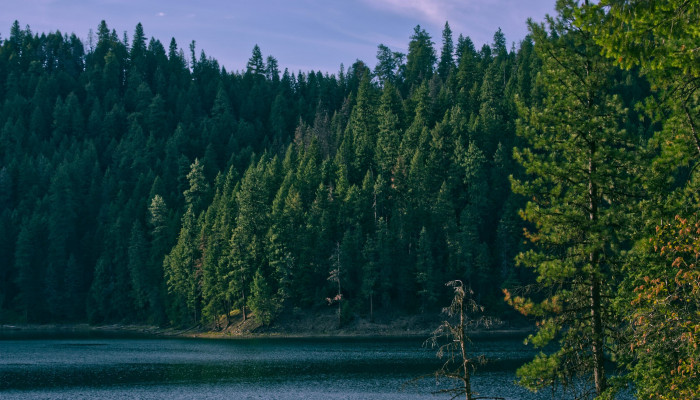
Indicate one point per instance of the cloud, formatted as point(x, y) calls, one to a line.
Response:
point(435, 11)
point(478, 19)
point(160, 14)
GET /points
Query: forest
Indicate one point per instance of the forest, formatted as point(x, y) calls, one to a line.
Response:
point(557, 177)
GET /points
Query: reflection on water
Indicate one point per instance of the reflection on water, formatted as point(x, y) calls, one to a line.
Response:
point(242, 369)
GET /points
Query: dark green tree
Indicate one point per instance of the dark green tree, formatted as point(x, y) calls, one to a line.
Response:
point(582, 166)
point(389, 65)
point(256, 64)
point(427, 274)
point(446, 63)
point(263, 303)
point(421, 58)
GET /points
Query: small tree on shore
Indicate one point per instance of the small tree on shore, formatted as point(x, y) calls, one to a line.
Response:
point(460, 363)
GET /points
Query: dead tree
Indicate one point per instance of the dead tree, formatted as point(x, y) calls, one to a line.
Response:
point(459, 361)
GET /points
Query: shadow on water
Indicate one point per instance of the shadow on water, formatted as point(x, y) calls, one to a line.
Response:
point(352, 368)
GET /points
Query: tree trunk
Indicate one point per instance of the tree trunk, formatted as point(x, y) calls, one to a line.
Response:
point(596, 308)
point(243, 306)
point(597, 345)
point(227, 311)
point(463, 348)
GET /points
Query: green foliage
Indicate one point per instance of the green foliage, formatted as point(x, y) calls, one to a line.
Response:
point(196, 194)
point(446, 63)
point(256, 65)
point(660, 39)
point(583, 170)
point(388, 65)
point(659, 36)
point(263, 303)
point(664, 315)
point(166, 190)
point(182, 269)
point(421, 58)
point(659, 292)
point(138, 184)
point(427, 276)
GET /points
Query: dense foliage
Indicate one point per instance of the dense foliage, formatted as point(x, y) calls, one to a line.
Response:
point(617, 283)
point(140, 184)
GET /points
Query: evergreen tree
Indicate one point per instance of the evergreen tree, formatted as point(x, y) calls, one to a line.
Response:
point(262, 300)
point(256, 65)
point(30, 270)
point(446, 63)
point(389, 65)
point(656, 38)
point(427, 275)
point(182, 272)
point(62, 235)
point(197, 193)
point(578, 203)
point(421, 58)
point(499, 43)
point(361, 130)
point(158, 221)
point(138, 49)
point(272, 72)
point(138, 262)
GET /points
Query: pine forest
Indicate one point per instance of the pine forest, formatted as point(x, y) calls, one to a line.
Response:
point(557, 177)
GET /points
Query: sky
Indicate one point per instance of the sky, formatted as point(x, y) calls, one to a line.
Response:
point(303, 35)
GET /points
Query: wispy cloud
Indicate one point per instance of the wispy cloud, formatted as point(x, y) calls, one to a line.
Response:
point(160, 14)
point(478, 19)
point(435, 11)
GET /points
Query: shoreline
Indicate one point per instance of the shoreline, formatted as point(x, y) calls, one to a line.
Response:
point(84, 330)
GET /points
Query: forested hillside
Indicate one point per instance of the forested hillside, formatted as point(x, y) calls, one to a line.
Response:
point(556, 177)
point(143, 184)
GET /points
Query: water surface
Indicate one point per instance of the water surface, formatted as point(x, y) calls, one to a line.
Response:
point(332, 368)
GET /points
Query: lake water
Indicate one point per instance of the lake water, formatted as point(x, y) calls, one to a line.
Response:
point(333, 368)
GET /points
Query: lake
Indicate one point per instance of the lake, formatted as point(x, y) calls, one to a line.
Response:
point(325, 368)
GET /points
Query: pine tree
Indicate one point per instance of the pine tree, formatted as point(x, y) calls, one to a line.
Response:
point(427, 275)
point(160, 238)
point(246, 254)
point(361, 129)
point(138, 263)
point(196, 196)
point(446, 63)
point(183, 265)
point(182, 274)
point(421, 58)
point(582, 164)
point(62, 235)
point(256, 65)
point(30, 269)
point(389, 130)
point(389, 65)
point(660, 290)
point(263, 304)
point(138, 50)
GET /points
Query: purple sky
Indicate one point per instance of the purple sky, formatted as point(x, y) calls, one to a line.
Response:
point(301, 34)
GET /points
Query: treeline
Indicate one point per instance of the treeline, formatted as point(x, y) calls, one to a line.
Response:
point(139, 184)
point(91, 135)
point(373, 205)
